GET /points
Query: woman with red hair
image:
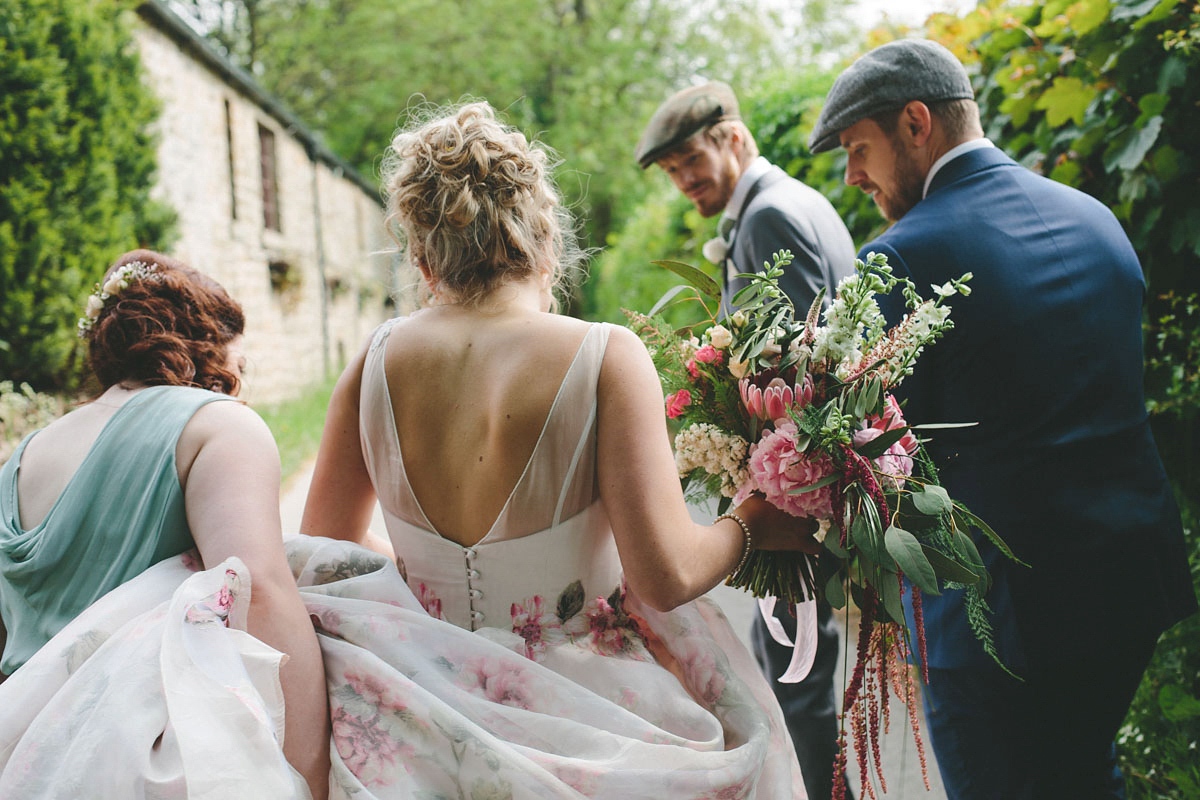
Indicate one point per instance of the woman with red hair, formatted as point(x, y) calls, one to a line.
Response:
point(127, 665)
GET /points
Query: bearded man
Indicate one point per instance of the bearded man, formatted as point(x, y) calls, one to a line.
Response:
point(1046, 357)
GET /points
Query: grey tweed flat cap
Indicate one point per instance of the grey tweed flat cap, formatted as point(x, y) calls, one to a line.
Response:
point(888, 77)
point(682, 114)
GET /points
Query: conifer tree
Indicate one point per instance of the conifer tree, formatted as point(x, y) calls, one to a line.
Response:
point(77, 164)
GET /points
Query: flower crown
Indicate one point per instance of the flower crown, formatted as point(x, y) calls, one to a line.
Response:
point(116, 283)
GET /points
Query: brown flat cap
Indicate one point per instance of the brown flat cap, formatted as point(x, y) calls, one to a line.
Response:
point(682, 114)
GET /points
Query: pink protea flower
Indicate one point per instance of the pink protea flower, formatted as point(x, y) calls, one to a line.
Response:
point(776, 467)
point(776, 399)
point(677, 402)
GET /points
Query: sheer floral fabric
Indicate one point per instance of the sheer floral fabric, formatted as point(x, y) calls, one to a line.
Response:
point(519, 668)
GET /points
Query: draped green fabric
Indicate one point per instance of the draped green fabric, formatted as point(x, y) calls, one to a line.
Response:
point(121, 512)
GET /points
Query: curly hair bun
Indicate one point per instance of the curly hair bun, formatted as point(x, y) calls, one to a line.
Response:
point(472, 200)
point(173, 328)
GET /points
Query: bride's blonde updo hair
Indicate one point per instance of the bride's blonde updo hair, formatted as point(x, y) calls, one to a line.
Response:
point(472, 200)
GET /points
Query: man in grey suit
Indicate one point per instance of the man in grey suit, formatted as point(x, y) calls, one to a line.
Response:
point(698, 138)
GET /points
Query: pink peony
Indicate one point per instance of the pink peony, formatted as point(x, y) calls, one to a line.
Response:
point(677, 402)
point(776, 468)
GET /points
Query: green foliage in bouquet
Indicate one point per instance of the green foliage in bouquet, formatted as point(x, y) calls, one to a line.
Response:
point(801, 411)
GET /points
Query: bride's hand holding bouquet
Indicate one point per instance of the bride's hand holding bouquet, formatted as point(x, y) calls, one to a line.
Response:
point(801, 413)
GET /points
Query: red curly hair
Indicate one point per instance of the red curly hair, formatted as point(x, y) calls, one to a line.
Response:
point(172, 329)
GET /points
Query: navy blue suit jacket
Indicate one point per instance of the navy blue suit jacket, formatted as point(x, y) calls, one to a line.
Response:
point(1046, 356)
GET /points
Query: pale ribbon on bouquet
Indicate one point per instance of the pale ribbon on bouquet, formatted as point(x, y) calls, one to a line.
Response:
point(804, 649)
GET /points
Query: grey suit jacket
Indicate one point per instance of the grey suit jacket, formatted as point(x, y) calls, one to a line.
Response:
point(781, 213)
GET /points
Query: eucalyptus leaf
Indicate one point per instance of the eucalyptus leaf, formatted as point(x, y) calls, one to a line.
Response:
point(965, 546)
point(947, 569)
point(667, 297)
point(932, 501)
point(906, 550)
point(935, 426)
point(860, 533)
point(880, 444)
point(889, 592)
point(874, 390)
point(859, 400)
point(833, 543)
point(835, 593)
point(812, 487)
point(695, 277)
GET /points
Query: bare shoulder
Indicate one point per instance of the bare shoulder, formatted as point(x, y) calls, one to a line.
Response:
point(625, 352)
point(228, 424)
point(229, 418)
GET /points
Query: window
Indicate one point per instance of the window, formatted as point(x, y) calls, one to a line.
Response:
point(229, 147)
point(270, 184)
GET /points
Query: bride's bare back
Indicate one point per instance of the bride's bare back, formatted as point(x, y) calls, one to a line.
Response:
point(471, 393)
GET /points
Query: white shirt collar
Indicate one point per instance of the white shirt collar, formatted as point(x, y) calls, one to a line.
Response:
point(756, 169)
point(950, 155)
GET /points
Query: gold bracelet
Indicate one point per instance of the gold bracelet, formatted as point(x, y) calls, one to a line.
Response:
point(749, 540)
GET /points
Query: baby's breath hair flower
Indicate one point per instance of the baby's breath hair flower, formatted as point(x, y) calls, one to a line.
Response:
point(117, 282)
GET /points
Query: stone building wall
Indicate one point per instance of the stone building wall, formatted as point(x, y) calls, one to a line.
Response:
point(314, 287)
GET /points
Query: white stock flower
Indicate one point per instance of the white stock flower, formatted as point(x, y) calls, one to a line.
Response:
point(715, 250)
point(715, 451)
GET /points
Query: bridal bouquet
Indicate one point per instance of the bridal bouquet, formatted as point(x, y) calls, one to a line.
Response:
point(801, 411)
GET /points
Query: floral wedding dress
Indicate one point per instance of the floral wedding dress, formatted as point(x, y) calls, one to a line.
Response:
point(516, 668)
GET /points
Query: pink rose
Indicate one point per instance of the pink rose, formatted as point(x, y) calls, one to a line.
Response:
point(708, 355)
point(704, 355)
point(776, 468)
point(677, 402)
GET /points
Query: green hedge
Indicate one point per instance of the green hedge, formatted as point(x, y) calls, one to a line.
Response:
point(76, 167)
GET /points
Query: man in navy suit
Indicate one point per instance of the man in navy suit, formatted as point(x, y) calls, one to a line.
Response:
point(698, 138)
point(1046, 356)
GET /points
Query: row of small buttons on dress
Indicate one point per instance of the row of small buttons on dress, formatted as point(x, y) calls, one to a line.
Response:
point(473, 594)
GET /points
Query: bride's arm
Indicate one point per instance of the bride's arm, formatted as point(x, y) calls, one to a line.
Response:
point(231, 492)
point(341, 498)
point(668, 559)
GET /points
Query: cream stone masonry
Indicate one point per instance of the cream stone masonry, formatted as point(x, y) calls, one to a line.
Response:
point(314, 288)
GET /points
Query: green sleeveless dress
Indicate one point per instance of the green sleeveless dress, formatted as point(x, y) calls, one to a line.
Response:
point(121, 512)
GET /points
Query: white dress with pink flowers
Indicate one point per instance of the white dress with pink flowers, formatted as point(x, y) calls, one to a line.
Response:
point(517, 668)
point(533, 674)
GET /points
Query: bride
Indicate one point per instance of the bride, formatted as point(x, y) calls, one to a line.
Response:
point(561, 646)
